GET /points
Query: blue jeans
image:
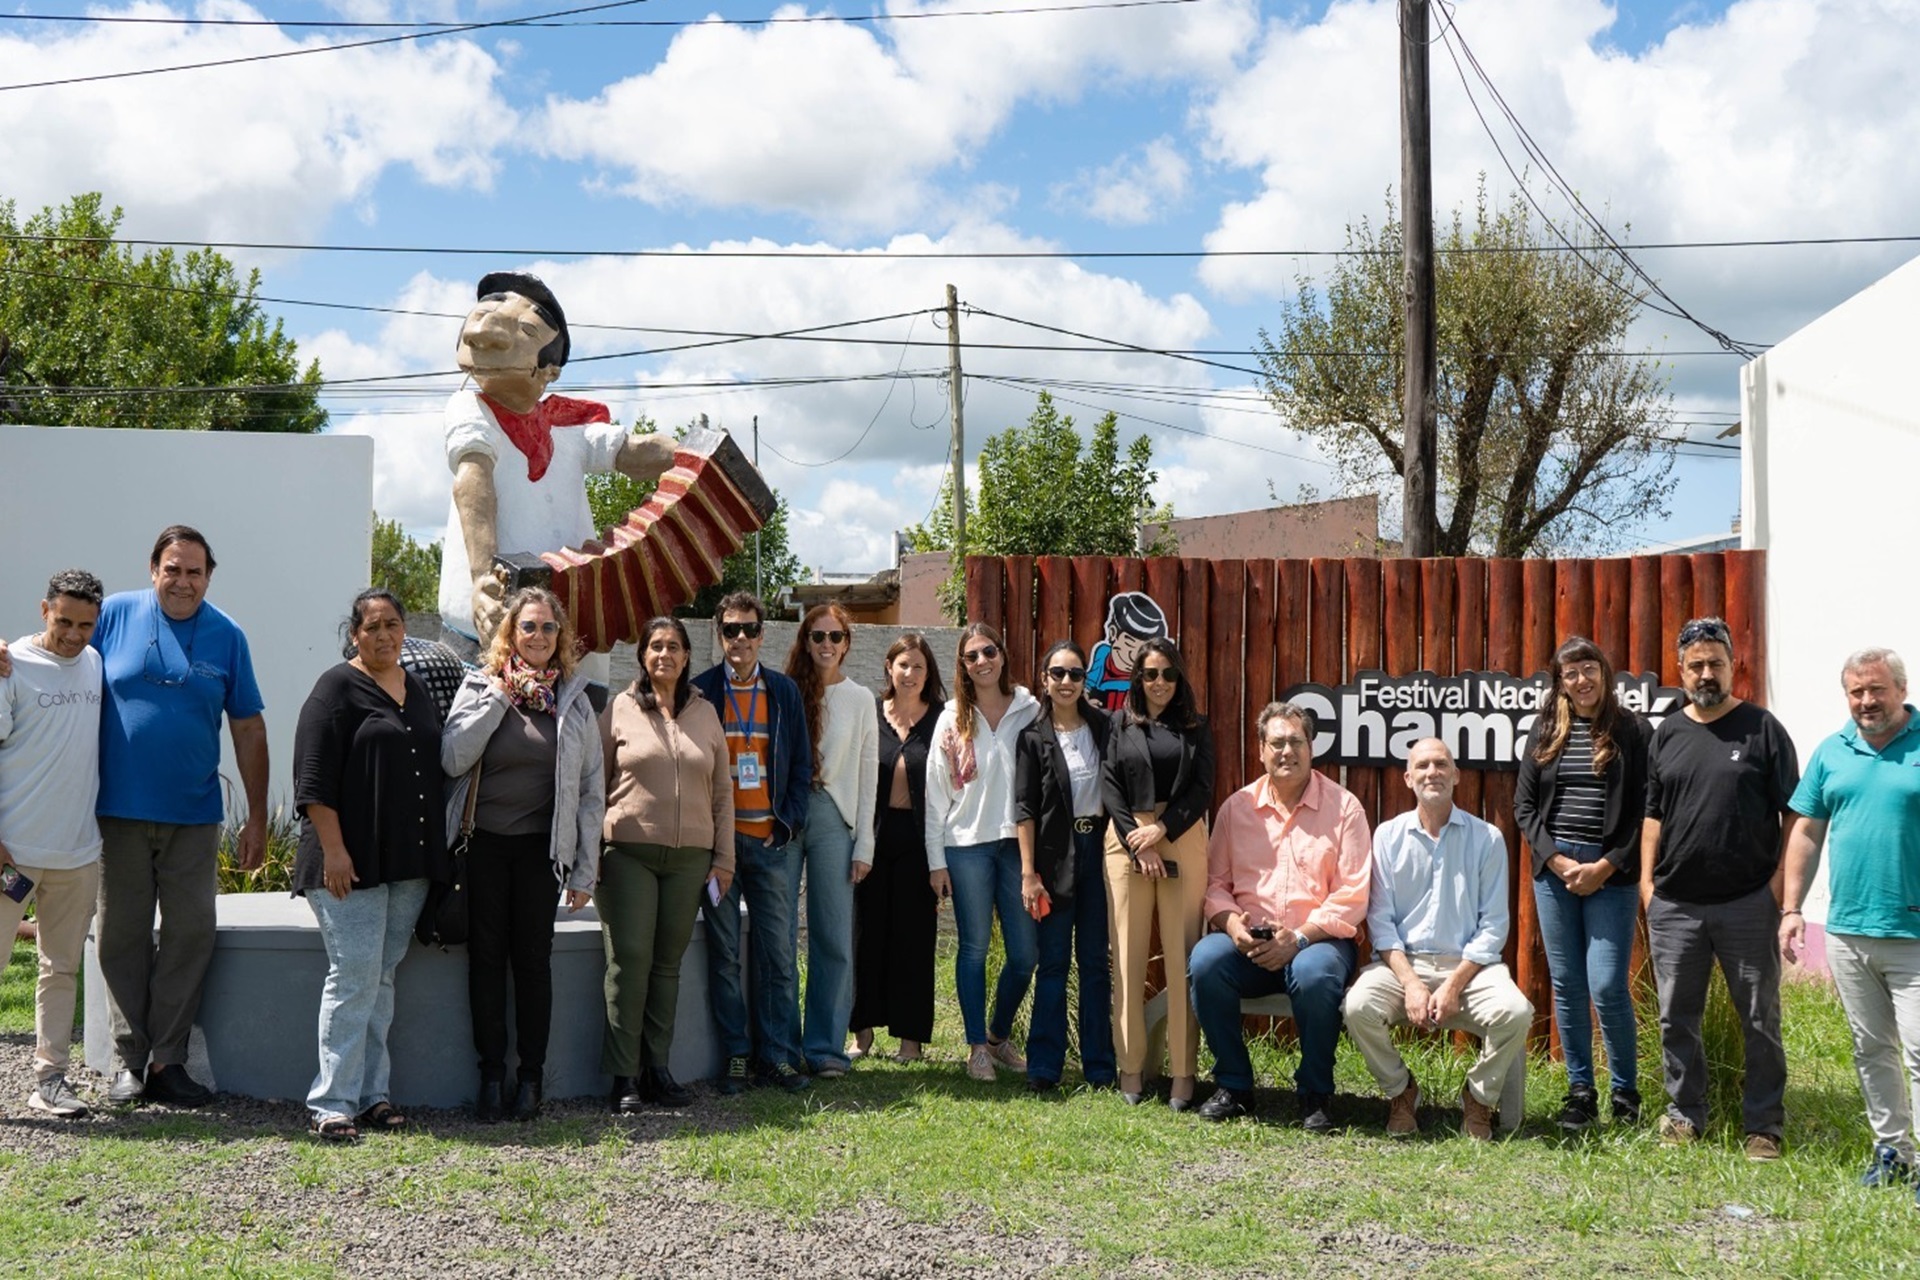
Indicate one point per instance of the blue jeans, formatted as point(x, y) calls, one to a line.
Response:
point(1316, 982)
point(366, 935)
point(1589, 945)
point(1081, 920)
point(766, 878)
point(986, 879)
point(826, 848)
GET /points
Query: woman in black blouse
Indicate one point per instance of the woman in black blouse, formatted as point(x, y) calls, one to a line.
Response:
point(1579, 800)
point(368, 786)
point(1157, 782)
point(895, 915)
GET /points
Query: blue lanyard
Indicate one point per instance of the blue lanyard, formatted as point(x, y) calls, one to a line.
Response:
point(753, 705)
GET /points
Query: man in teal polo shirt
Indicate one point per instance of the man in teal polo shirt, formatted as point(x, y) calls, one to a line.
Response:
point(1862, 788)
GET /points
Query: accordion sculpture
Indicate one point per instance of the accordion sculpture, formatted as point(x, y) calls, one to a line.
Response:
point(666, 550)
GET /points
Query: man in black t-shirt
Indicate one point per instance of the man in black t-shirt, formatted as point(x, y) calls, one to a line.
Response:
point(1719, 776)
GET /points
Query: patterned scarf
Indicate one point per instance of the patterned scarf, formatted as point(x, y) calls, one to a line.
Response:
point(532, 433)
point(529, 687)
point(963, 766)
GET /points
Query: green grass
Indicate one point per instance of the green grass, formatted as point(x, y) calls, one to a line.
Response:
point(1122, 1190)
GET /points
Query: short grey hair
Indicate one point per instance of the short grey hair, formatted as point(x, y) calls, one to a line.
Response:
point(1860, 658)
point(1286, 711)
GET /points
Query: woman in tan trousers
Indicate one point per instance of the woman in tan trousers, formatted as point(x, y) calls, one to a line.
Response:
point(1157, 784)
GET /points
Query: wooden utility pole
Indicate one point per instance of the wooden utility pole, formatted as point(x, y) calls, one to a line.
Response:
point(756, 533)
point(954, 399)
point(1418, 420)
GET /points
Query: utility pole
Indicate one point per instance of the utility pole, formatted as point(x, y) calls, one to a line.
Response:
point(1418, 421)
point(756, 533)
point(959, 429)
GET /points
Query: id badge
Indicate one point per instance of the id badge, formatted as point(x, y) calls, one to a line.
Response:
point(748, 768)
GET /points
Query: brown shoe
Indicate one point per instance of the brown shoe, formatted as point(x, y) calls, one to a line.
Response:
point(1401, 1119)
point(1476, 1118)
point(1762, 1147)
point(1676, 1132)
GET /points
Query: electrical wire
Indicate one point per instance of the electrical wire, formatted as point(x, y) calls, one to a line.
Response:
point(861, 439)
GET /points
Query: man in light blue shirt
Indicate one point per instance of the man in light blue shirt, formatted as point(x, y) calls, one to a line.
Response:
point(1437, 913)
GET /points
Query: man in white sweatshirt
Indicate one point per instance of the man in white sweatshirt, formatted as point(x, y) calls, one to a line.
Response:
point(49, 841)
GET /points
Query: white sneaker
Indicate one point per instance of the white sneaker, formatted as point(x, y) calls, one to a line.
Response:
point(56, 1098)
point(1006, 1055)
point(980, 1063)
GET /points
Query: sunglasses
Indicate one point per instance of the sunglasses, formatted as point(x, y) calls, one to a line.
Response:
point(1069, 675)
point(1707, 629)
point(1154, 675)
point(528, 627)
point(985, 653)
point(821, 637)
point(734, 630)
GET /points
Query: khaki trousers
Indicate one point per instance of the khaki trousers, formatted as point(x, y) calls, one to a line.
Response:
point(1133, 901)
point(63, 908)
point(1492, 1007)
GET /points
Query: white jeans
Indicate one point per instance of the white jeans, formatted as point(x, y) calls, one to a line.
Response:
point(1491, 1007)
point(1879, 984)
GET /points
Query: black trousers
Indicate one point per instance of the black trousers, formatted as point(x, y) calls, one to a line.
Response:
point(512, 898)
point(895, 920)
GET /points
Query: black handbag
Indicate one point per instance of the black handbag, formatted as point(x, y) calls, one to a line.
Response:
point(443, 917)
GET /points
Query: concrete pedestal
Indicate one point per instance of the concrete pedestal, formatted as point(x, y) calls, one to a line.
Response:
point(258, 1031)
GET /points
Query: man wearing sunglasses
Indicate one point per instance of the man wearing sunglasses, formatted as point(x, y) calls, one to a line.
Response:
point(772, 758)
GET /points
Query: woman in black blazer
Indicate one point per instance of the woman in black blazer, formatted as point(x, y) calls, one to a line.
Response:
point(1060, 823)
point(1579, 800)
point(1157, 784)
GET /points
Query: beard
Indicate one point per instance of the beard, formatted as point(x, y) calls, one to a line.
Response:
point(1706, 695)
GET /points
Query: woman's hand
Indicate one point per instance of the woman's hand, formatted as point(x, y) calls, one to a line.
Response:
point(1030, 890)
point(1588, 877)
point(1151, 864)
point(1147, 833)
point(336, 872)
point(723, 880)
point(577, 898)
point(941, 884)
point(857, 871)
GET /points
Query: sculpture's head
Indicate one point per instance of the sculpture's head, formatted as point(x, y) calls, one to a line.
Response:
point(514, 341)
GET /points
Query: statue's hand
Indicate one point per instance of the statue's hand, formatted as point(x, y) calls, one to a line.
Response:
point(645, 456)
point(489, 607)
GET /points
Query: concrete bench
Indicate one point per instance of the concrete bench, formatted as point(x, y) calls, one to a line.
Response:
point(258, 1031)
point(1513, 1090)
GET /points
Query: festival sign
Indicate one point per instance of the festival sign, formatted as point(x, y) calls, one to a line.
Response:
point(1484, 717)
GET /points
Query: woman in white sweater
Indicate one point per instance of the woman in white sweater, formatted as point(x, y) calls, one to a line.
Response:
point(972, 853)
point(837, 843)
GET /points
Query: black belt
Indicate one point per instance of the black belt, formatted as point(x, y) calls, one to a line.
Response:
point(1084, 826)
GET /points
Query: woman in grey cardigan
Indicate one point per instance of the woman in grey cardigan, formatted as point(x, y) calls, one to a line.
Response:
point(525, 720)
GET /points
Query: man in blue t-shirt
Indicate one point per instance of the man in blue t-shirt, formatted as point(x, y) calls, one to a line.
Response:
point(1860, 796)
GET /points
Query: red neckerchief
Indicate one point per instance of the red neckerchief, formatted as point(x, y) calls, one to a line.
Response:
point(532, 433)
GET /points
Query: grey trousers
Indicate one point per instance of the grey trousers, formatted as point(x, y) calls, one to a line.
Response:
point(1684, 939)
point(1879, 984)
point(154, 989)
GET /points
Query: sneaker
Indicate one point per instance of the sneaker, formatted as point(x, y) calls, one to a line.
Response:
point(56, 1099)
point(1476, 1117)
point(1006, 1055)
point(1762, 1147)
point(980, 1063)
point(1677, 1131)
point(734, 1079)
point(1316, 1113)
point(830, 1071)
point(171, 1086)
point(1625, 1106)
point(782, 1075)
point(1581, 1110)
point(1402, 1111)
point(1887, 1169)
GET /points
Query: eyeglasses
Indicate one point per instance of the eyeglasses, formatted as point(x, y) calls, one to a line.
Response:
point(1069, 675)
point(734, 630)
point(528, 627)
point(1154, 675)
point(985, 653)
point(1708, 629)
point(1292, 741)
point(823, 637)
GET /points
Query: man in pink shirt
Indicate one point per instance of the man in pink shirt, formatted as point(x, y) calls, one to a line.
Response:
point(1288, 869)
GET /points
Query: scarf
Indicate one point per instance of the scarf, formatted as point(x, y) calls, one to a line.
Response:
point(962, 765)
point(532, 433)
point(528, 687)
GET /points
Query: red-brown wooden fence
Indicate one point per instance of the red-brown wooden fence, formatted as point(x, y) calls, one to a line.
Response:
point(1252, 628)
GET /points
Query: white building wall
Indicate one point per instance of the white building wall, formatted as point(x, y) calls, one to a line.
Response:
point(288, 516)
point(1830, 422)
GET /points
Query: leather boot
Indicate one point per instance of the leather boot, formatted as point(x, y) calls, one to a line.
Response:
point(489, 1106)
point(625, 1096)
point(526, 1101)
point(663, 1090)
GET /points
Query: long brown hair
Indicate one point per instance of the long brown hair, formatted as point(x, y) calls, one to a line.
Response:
point(964, 693)
point(933, 693)
point(566, 649)
point(1181, 713)
point(1560, 724)
point(806, 672)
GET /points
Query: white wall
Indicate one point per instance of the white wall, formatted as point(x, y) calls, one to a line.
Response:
point(288, 516)
point(1830, 420)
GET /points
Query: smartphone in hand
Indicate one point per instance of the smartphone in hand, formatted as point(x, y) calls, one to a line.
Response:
point(713, 890)
point(14, 883)
point(1262, 932)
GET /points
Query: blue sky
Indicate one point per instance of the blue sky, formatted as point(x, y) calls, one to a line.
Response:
point(1224, 124)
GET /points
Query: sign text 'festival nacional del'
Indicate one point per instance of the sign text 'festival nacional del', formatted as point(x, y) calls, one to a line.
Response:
point(1483, 716)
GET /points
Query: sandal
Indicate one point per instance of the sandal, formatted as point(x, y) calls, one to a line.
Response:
point(382, 1117)
point(333, 1129)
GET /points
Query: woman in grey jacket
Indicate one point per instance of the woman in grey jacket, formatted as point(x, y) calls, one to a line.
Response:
point(524, 721)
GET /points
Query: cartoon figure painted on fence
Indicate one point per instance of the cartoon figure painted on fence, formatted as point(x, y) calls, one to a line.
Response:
point(1133, 618)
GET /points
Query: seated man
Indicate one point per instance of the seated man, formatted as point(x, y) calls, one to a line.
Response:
point(1438, 916)
point(1287, 871)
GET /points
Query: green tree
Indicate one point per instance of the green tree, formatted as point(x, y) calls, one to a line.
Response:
point(84, 322)
point(405, 567)
point(1549, 439)
point(610, 496)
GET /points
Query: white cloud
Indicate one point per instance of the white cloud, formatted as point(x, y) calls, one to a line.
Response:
point(1136, 188)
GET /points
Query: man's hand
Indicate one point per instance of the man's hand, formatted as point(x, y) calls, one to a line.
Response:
point(1444, 1004)
point(489, 606)
point(1588, 877)
point(1793, 936)
point(1419, 1002)
point(253, 844)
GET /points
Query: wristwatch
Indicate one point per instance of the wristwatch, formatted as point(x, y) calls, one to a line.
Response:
point(1300, 940)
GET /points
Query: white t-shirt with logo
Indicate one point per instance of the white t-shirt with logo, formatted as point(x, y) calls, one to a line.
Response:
point(50, 757)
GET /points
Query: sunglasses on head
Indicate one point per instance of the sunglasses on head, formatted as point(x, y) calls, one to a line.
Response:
point(528, 627)
point(1154, 675)
point(1071, 675)
point(1711, 630)
point(985, 653)
point(819, 637)
point(734, 630)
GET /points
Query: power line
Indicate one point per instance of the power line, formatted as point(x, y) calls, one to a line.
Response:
point(861, 439)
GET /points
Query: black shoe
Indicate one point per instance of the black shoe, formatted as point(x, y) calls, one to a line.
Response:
point(128, 1086)
point(658, 1086)
point(1225, 1104)
point(1581, 1110)
point(526, 1101)
point(734, 1079)
point(1625, 1105)
point(625, 1096)
point(782, 1075)
point(490, 1106)
point(1316, 1113)
point(173, 1087)
point(1040, 1084)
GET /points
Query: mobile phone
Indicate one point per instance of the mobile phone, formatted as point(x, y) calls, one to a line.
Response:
point(1042, 906)
point(1172, 868)
point(1264, 932)
point(713, 890)
point(14, 884)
